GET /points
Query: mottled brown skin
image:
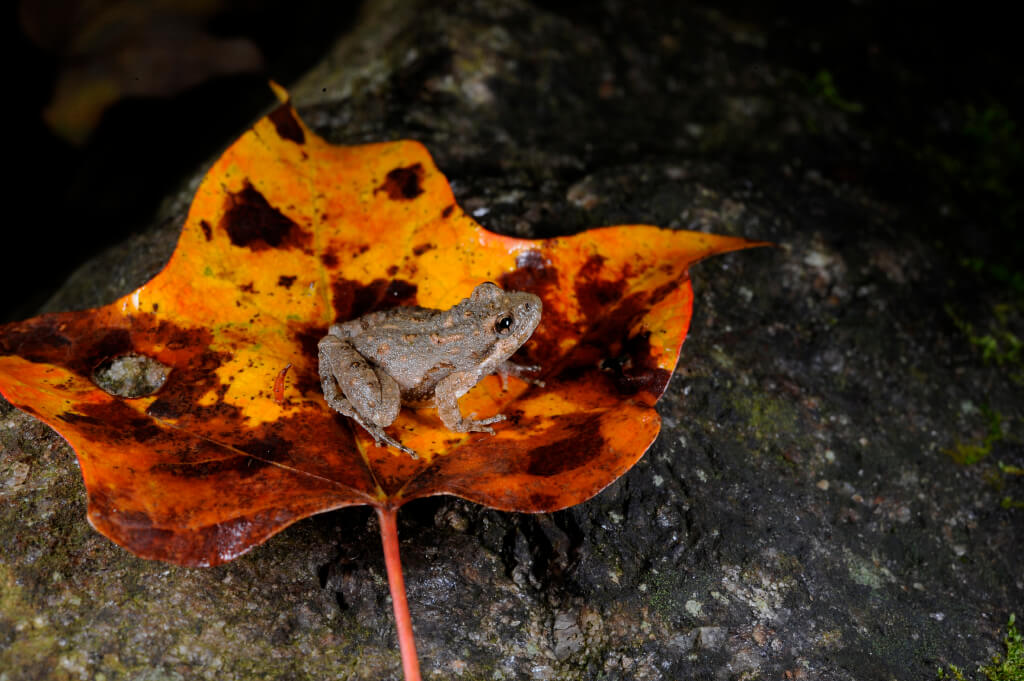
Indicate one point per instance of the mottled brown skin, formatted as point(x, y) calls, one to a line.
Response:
point(418, 356)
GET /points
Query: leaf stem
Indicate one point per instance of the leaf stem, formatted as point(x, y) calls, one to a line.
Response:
point(393, 564)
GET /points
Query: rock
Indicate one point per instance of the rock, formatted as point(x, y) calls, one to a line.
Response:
point(805, 491)
point(711, 638)
point(567, 635)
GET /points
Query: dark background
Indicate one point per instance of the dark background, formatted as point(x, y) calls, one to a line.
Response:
point(901, 64)
point(76, 200)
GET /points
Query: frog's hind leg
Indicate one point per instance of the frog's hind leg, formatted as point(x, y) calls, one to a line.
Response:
point(348, 380)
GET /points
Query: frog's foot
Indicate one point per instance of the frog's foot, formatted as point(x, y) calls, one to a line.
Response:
point(474, 425)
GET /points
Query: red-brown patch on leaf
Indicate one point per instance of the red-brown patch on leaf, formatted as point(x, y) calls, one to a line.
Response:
point(353, 299)
point(251, 222)
point(287, 125)
point(403, 184)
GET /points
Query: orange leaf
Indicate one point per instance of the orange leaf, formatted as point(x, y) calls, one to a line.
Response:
point(288, 234)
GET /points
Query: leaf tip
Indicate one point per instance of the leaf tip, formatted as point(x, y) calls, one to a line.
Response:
point(279, 91)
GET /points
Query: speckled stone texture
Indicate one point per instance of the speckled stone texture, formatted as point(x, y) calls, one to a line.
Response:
point(802, 515)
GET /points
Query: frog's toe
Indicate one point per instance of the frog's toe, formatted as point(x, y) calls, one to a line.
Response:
point(483, 425)
point(385, 439)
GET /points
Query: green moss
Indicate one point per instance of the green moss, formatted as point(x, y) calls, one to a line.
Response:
point(967, 454)
point(665, 592)
point(823, 86)
point(864, 572)
point(997, 343)
point(30, 638)
point(768, 417)
point(1003, 668)
point(1007, 471)
point(1010, 668)
point(953, 674)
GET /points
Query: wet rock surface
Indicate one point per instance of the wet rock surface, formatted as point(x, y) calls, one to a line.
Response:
point(833, 492)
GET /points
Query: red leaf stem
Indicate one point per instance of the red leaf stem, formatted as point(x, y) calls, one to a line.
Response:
point(393, 564)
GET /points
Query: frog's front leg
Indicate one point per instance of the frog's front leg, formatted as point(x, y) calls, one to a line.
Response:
point(358, 390)
point(507, 368)
point(446, 398)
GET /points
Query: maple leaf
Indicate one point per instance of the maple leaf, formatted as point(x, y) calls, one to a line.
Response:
point(229, 440)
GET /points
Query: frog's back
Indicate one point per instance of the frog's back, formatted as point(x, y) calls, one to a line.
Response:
point(414, 345)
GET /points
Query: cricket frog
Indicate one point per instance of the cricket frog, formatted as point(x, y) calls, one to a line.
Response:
point(417, 356)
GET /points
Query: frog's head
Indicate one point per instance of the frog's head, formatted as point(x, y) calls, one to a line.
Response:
point(508, 317)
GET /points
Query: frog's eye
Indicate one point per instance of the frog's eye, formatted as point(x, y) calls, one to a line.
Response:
point(504, 325)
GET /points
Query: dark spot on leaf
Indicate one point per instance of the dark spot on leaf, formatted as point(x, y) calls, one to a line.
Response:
point(596, 295)
point(576, 451)
point(392, 270)
point(134, 519)
point(72, 417)
point(308, 337)
point(403, 184)
point(269, 448)
point(241, 466)
point(533, 273)
point(207, 229)
point(659, 293)
point(67, 339)
point(285, 281)
point(194, 375)
point(329, 260)
point(353, 299)
point(37, 340)
point(78, 342)
point(115, 422)
point(634, 368)
point(247, 288)
point(144, 430)
point(111, 343)
point(422, 248)
point(611, 343)
point(538, 500)
point(287, 127)
point(251, 222)
point(448, 210)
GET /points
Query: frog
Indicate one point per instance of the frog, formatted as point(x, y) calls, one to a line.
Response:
point(372, 365)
